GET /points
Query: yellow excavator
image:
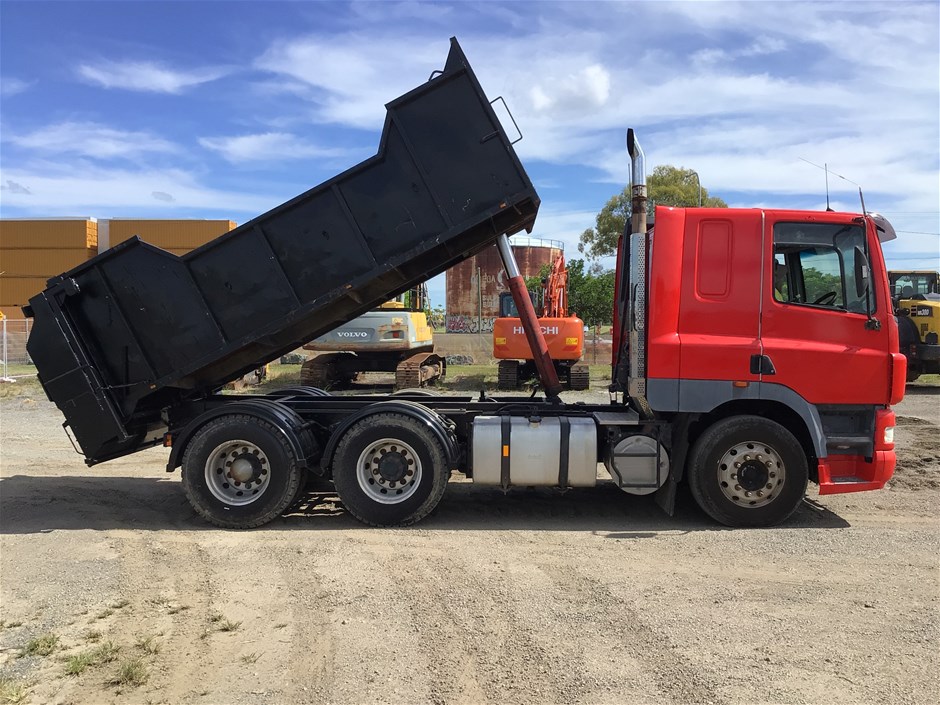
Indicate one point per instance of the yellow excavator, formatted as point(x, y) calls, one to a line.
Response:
point(395, 337)
point(916, 297)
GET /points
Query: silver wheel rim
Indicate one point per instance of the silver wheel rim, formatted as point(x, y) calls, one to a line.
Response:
point(751, 474)
point(238, 472)
point(388, 471)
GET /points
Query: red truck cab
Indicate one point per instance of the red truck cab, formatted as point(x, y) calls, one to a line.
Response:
point(781, 315)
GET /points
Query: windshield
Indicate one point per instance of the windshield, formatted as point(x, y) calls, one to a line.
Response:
point(907, 285)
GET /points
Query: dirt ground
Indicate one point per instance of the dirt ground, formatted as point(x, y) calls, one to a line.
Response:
point(592, 596)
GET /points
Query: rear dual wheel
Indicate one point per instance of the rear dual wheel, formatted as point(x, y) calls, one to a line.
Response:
point(390, 469)
point(239, 472)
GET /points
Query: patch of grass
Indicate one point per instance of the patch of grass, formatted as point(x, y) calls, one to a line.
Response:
point(216, 617)
point(105, 652)
point(41, 645)
point(24, 387)
point(92, 635)
point(120, 604)
point(77, 664)
point(12, 691)
point(131, 672)
point(250, 658)
point(176, 609)
point(280, 625)
point(279, 376)
point(227, 625)
point(930, 380)
point(104, 614)
point(149, 644)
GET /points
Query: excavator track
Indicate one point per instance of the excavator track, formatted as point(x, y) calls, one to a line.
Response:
point(324, 371)
point(508, 375)
point(419, 370)
point(579, 377)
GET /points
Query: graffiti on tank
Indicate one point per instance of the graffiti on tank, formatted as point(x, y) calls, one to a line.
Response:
point(468, 324)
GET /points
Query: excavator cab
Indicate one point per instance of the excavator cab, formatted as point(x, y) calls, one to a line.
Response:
point(916, 297)
point(395, 337)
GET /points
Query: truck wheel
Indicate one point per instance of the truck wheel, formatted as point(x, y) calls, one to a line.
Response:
point(239, 472)
point(748, 471)
point(389, 469)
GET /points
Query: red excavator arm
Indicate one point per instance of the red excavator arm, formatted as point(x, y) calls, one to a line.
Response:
point(555, 298)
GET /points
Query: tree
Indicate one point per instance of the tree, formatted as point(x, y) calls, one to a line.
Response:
point(590, 293)
point(666, 186)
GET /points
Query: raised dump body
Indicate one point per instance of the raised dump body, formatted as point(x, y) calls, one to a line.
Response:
point(137, 329)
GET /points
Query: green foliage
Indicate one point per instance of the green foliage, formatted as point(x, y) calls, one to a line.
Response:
point(818, 283)
point(41, 646)
point(535, 283)
point(590, 293)
point(666, 186)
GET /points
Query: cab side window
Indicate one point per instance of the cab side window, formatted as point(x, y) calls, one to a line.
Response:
point(814, 265)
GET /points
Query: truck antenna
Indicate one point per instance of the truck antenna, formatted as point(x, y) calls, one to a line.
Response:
point(825, 167)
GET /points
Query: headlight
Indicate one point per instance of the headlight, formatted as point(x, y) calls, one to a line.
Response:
point(889, 435)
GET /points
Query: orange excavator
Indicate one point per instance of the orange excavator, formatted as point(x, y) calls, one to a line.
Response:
point(563, 333)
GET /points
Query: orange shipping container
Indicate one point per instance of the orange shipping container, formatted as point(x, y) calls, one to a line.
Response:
point(12, 313)
point(168, 234)
point(17, 291)
point(44, 233)
point(41, 262)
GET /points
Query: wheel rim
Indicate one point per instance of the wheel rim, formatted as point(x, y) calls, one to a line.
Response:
point(751, 474)
point(388, 471)
point(238, 472)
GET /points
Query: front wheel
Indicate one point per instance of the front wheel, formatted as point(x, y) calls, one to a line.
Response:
point(239, 472)
point(389, 469)
point(748, 471)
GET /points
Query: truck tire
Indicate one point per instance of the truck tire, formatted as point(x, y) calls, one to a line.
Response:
point(748, 471)
point(389, 470)
point(309, 485)
point(239, 472)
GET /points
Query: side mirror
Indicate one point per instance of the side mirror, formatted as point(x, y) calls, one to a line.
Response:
point(862, 273)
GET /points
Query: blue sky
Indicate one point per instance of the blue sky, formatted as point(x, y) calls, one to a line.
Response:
point(225, 109)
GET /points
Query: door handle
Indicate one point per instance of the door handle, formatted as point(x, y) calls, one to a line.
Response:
point(762, 365)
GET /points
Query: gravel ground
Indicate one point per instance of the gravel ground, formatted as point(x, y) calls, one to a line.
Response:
point(591, 596)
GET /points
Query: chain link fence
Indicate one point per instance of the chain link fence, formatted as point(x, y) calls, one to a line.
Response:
point(13, 336)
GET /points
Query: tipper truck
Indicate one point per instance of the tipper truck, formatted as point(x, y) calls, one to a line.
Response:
point(716, 381)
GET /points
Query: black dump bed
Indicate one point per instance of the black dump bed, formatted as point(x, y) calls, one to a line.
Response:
point(137, 329)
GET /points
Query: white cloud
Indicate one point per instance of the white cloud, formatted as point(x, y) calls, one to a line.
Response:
point(10, 86)
point(268, 146)
point(147, 76)
point(585, 89)
point(81, 187)
point(89, 139)
point(350, 77)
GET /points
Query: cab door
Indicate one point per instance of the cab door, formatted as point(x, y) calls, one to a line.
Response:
point(815, 331)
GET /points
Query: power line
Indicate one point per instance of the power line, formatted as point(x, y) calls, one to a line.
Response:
point(916, 232)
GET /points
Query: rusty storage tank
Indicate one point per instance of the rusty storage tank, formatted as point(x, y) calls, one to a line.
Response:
point(34, 249)
point(474, 285)
point(177, 236)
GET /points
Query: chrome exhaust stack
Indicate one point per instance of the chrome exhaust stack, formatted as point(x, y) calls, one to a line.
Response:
point(638, 182)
